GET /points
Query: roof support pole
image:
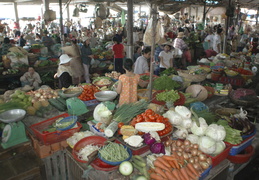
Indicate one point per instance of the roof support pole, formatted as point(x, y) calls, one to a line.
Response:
point(61, 27)
point(257, 15)
point(154, 15)
point(226, 30)
point(16, 14)
point(130, 25)
point(46, 4)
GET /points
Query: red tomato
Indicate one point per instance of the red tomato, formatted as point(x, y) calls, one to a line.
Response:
point(149, 111)
point(160, 119)
point(119, 131)
point(120, 124)
point(152, 118)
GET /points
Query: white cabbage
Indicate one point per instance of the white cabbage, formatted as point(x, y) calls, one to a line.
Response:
point(216, 132)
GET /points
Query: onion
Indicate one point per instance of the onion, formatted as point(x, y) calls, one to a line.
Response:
point(173, 148)
point(179, 149)
point(186, 142)
point(179, 153)
point(196, 159)
point(195, 146)
point(179, 143)
point(168, 142)
point(209, 161)
point(187, 149)
point(182, 146)
point(185, 155)
point(194, 152)
point(191, 160)
point(202, 157)
point(204, 165)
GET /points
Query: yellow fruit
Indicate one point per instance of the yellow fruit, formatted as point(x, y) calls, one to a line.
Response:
point(31, 110)
point(37, 105)
point(44, 103)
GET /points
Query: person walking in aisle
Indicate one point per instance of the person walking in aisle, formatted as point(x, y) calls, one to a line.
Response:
point(86, 56)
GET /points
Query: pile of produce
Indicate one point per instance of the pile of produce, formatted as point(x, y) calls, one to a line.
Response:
point(114, 75)
point(102, 81)
point(43, 94)
point(168, 72)
point(150, 116)
point(21, 98)
point(114, 152)
point(88, 92)
point(165, 83)
point(168, 96)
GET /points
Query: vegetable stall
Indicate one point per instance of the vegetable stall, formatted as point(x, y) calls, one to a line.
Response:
point(192, 128)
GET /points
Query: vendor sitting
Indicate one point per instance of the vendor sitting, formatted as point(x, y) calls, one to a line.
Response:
point(64, 73)
point(31, 78)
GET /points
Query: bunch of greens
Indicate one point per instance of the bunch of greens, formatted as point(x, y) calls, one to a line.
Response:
point(96, 79)
point(233, 136)
point(168, 96)
point(165, 83)
point(168, 72)
point(144, 77)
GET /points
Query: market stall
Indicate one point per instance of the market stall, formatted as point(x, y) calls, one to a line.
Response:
point(189, 120)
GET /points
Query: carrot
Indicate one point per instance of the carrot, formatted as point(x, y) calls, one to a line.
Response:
point(181, 160)
point(184, 173)
point(163, 161)
point(159, 171)
point(176, 174)
point(169, 175)
point(160, 165)
point(192, 169)
point(168, 158)
point(191, 175)
point(156, 176)
point(181, 175)
point(176, 164)
point(172, 164)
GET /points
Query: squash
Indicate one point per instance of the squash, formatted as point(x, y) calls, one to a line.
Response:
point(44, 103)
point(31, 110)
point(37, 105)
point(149, 126)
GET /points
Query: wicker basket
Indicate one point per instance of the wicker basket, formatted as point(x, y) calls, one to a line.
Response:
point(227, 111)
point(143, 94)
point(192, 77)
point(242, 102)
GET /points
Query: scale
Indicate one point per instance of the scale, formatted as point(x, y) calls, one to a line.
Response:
point(14, 132)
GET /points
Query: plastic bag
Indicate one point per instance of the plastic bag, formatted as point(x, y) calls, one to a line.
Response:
point(92, 61)
point(159, 35)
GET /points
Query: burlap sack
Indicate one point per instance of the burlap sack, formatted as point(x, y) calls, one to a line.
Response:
point(69, 50)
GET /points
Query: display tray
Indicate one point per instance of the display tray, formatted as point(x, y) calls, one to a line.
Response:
point(220, 157)
point(142, 149)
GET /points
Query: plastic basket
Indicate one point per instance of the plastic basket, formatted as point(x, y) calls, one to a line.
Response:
point(235, 149)
point(220, 157)
point(234, 81)
point(242, 158)
point(91, 102)
point(56, 136)
point(249, 135)
point(205, 173)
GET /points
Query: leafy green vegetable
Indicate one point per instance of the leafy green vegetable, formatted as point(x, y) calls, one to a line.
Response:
point(168, 96)
point(165, 83)
point(168, 72)
point(144, 77)
point(233, 136)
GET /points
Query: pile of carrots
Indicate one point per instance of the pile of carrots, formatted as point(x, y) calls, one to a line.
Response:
point(173, 167)
point(88, 92)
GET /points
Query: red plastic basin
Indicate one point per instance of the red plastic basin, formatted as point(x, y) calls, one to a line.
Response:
point(242, 157)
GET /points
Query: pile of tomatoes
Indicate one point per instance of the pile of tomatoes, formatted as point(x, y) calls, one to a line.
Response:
point(150, 116)
point(88, 92)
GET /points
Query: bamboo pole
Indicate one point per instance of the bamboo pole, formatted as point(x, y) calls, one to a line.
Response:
point(154, 18)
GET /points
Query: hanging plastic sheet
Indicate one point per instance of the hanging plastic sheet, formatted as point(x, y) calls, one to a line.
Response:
point(123, 18)
point(159, 35)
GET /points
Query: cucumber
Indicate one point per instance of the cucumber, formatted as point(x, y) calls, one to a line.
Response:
point(142, 170)
point(58, 105)
point(139, 162)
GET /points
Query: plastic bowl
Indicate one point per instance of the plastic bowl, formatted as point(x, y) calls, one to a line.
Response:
point(105, 95)
point(119, 162)
point(244, 157)
point(97, 163)
point(72, 119)
point(12, 115)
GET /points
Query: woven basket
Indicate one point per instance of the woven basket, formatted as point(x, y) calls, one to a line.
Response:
point(227, 111)
point(242, 102)
point(192, 77)
point(143, 94)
